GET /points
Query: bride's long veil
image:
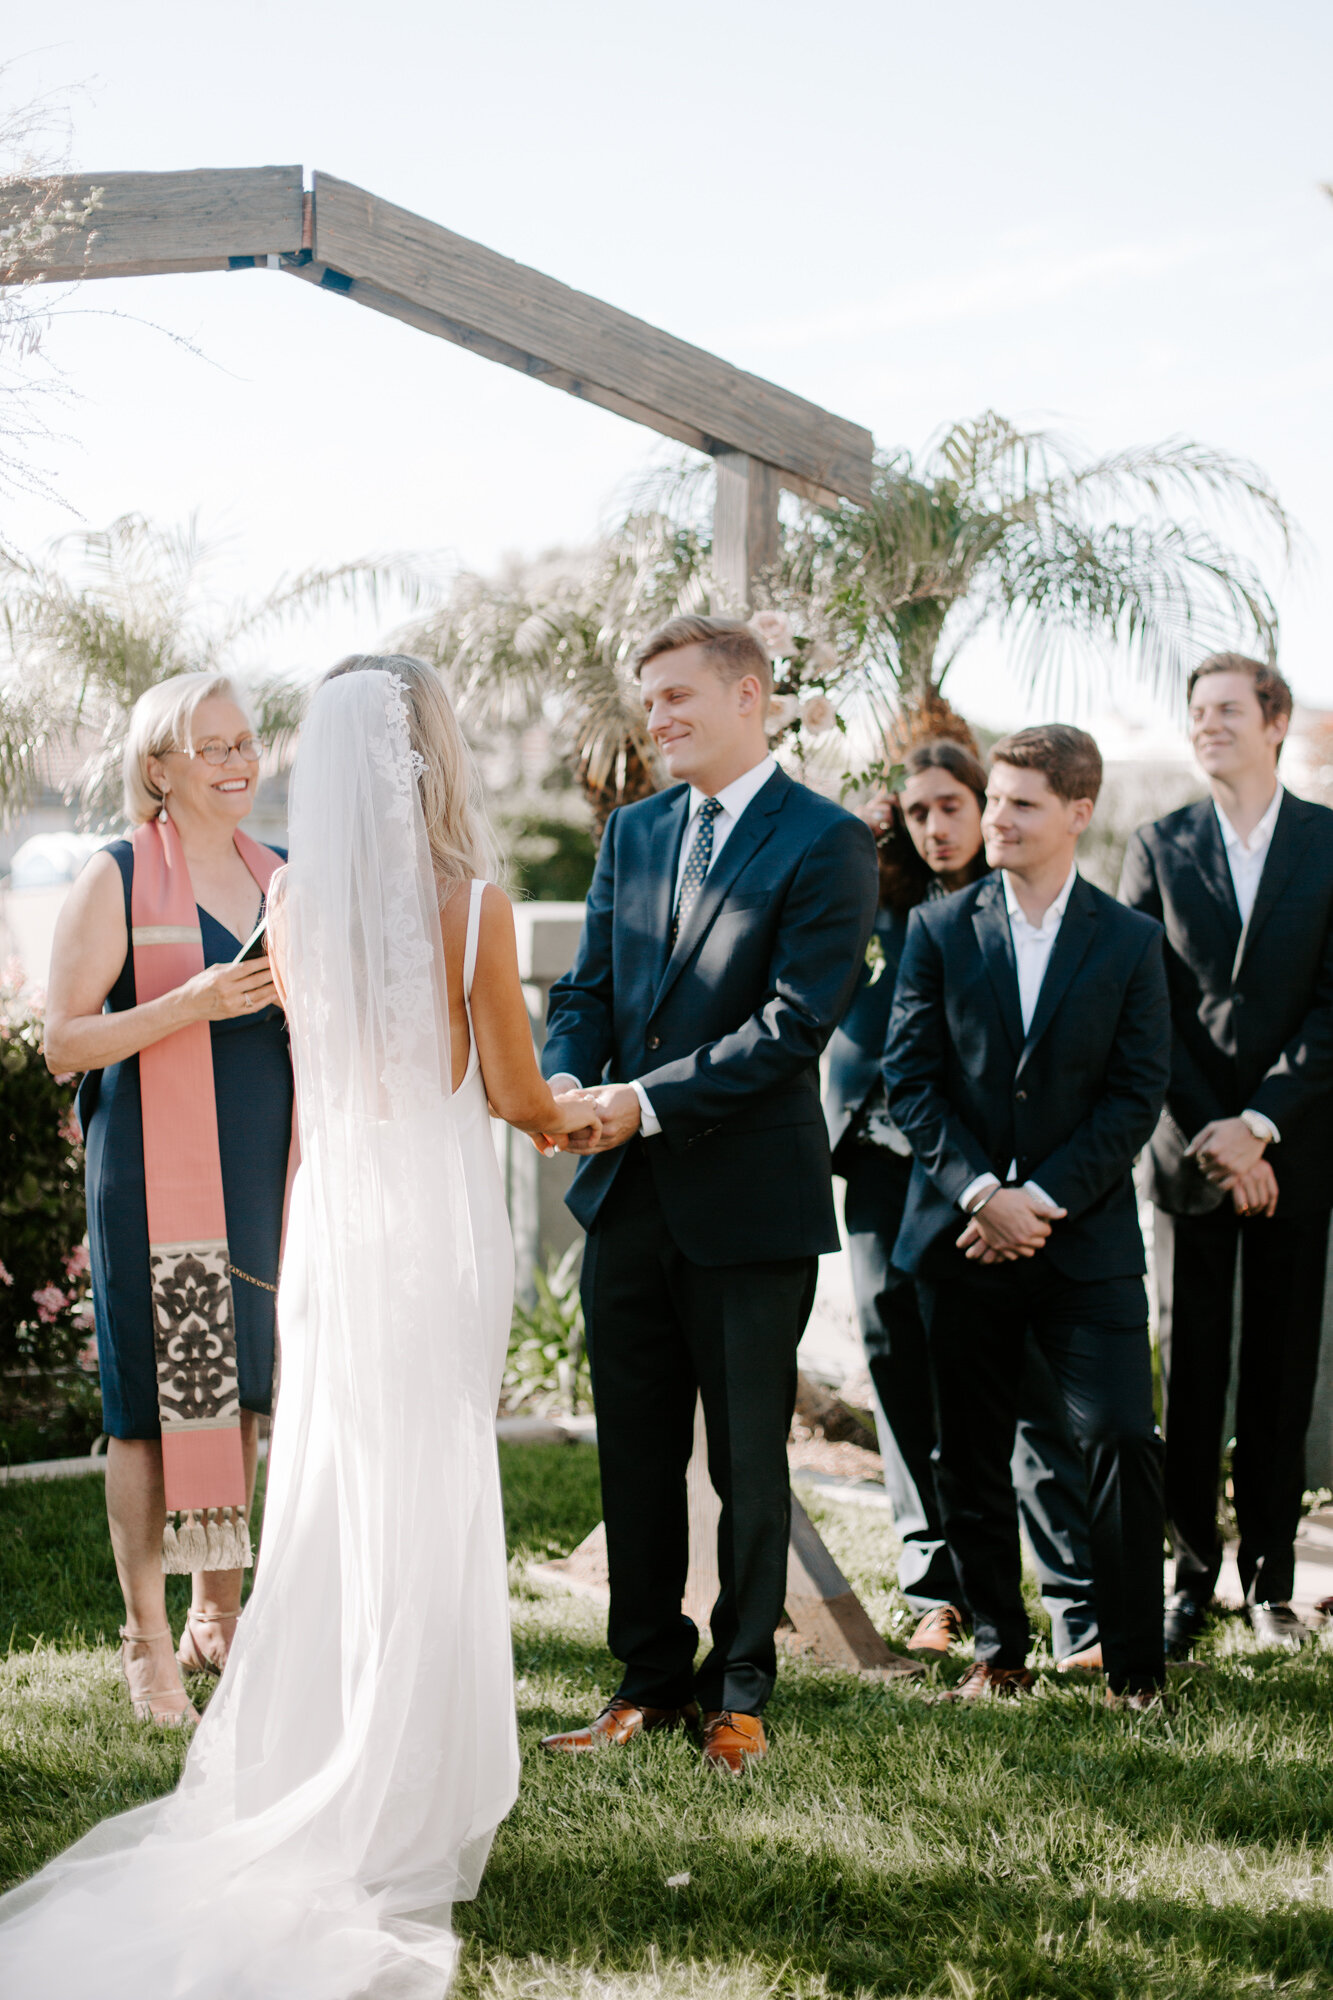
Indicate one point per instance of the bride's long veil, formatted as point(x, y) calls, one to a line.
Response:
point(348, 1776)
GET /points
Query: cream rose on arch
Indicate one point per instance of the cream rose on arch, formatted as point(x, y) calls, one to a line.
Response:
point(773, 631)
point(782, 712)
point(818, 714)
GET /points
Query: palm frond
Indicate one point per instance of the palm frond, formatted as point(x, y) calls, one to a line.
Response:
point(1155, 594)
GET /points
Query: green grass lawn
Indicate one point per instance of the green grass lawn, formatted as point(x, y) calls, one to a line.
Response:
point(889, 1845)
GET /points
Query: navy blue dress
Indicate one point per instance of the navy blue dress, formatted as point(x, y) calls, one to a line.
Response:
point(252, 1082)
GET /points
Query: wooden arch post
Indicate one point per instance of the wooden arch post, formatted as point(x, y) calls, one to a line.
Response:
point(369, 252)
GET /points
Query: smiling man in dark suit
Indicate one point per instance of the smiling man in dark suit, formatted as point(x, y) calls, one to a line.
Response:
point(1242, 1159)
point(1028, 1055)
point(725, 930)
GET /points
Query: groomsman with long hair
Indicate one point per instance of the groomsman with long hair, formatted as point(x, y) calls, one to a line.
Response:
point(1241, 1163)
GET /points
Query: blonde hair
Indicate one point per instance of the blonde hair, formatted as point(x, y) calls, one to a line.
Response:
point(732, 648)
point(162, 719)
point(462, 845)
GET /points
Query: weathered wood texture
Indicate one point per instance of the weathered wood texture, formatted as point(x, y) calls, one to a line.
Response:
point(363, 294)
point(555, 328)
point(147, 223)
point(829, 1621)
point(745, 523)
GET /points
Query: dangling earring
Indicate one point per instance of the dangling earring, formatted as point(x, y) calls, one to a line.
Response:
point(162, 809)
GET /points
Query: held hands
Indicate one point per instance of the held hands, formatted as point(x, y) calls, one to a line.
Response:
point(620, 1115)
point(578, 1119)
point(1012, 1224)
point(1226, 1151)
point(220, 992)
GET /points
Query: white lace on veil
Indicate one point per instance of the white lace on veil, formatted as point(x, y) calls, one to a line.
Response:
point(350, 1771)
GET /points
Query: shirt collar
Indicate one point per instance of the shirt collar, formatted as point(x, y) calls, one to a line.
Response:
point(736, 796)
point(1054, 915)
point(1262, 833)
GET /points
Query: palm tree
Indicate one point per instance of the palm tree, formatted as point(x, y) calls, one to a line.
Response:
point(109, 614)
point(1072, 558)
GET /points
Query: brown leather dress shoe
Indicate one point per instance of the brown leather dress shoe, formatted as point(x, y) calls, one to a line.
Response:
point(620, 1722)
point(731, 1740)
point(982, 1681)
point(936, 1633)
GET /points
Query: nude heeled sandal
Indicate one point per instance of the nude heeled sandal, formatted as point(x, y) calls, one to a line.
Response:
point(143, 1698)
point(190, 1655)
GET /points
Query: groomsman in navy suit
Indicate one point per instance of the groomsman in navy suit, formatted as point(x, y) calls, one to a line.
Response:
point(1028, 1055)
point(725, 930)
point(1241, 1161)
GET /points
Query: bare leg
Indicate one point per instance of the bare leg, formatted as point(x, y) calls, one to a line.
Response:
point(216, 1595)
point(136, 1511)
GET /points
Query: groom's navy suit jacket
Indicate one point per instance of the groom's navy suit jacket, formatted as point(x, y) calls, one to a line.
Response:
point(725, 1029)
point(1071, 1101)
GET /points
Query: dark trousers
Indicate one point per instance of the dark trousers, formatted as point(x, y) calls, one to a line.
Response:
point(660, 1331)
point(1282, 1264)
point(1047, 1464)
point(1095, 1339)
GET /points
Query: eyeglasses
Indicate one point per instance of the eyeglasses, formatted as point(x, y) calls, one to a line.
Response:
point(215, 751)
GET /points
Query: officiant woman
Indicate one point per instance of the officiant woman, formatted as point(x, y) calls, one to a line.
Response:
point(186, 1109)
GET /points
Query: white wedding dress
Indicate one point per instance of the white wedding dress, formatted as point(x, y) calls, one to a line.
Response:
point(346, 1781)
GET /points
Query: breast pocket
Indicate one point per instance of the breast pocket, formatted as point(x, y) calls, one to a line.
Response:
point(756, 899)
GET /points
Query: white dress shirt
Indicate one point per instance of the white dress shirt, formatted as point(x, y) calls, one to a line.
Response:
point(1033, 945)
point(733, 799)
point(1245, 859)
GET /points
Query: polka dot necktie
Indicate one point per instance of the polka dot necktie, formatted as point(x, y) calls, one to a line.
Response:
point(696, 867)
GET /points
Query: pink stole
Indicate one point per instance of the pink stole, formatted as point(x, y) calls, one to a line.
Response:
point(194, 1331)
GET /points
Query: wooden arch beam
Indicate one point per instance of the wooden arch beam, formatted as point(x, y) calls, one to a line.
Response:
point(354, 244)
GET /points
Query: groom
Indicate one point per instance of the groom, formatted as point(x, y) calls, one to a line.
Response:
point(725, 929)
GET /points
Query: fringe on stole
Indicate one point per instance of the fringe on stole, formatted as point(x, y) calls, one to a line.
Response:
point(206, 1538)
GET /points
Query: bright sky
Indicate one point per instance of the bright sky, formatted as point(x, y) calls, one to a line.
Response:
point(1105, 220)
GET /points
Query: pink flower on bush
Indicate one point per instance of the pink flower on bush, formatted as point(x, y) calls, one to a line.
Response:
point(773, 631)
point(50, 1302)
point(6, 1277)
point(77, 1264)
point(818, 714)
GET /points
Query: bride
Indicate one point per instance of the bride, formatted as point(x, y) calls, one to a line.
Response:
point(344, 1786)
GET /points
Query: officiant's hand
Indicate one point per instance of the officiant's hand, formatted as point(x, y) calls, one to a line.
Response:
point(620, 1112)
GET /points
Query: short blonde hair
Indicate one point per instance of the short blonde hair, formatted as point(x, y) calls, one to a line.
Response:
point(732, 648)
point(462, 845)
point(162, 720)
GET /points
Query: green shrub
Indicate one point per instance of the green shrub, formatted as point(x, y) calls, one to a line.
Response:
point(45, 1296)
point(547, 1368)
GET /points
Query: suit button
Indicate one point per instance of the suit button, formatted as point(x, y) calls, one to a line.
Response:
point(1238, 999)
point(1020, 1097)
point(654, 1041)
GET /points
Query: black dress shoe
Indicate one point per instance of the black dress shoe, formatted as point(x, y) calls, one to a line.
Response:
point(1278, 1625)
point(1185, 1619)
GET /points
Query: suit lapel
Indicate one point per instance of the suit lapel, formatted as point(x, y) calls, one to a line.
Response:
point(1291, 836)
point(1204, 840)
point(742, 843)
point(1078, 927)
point(666, 840)
point(990, 921)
